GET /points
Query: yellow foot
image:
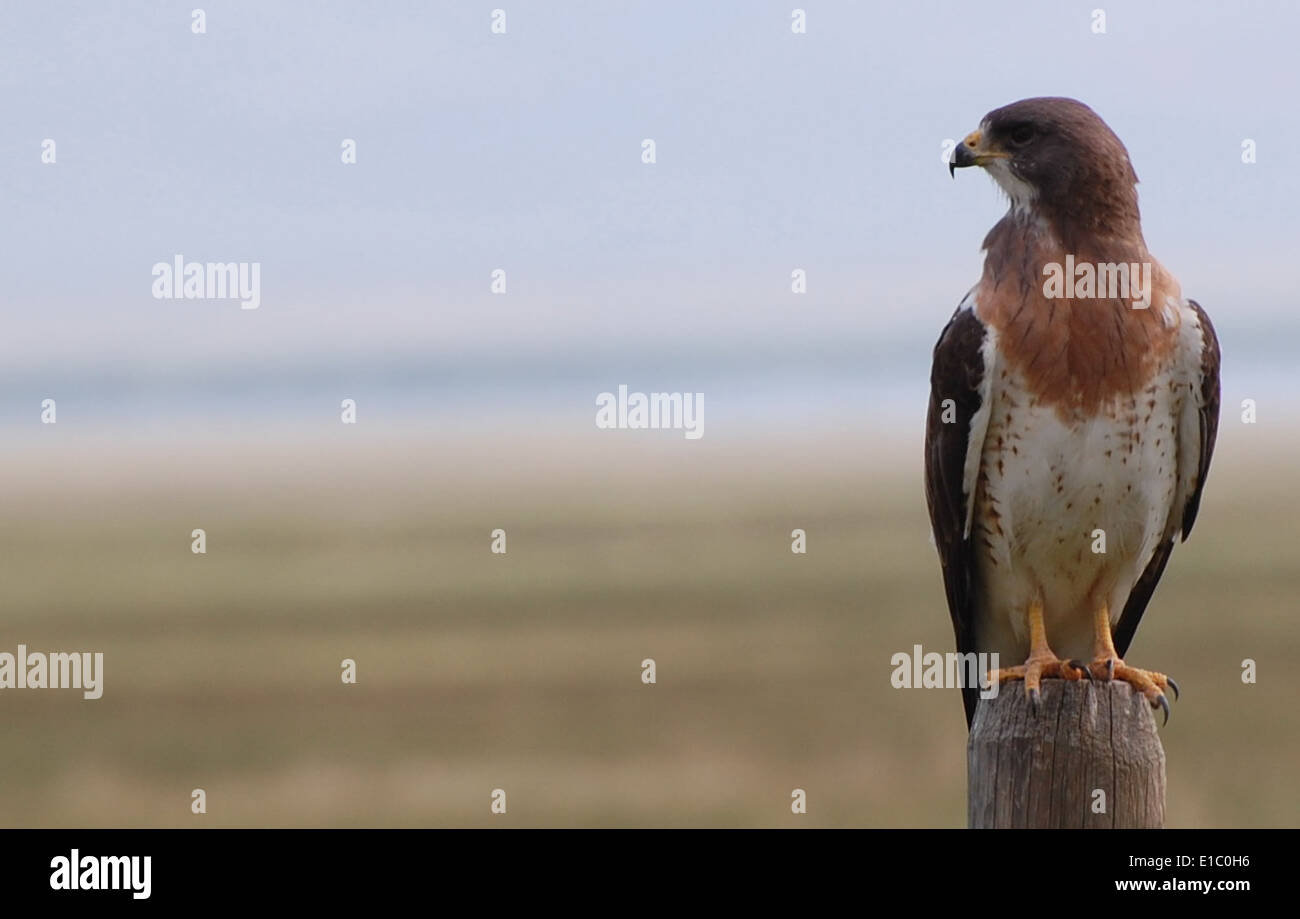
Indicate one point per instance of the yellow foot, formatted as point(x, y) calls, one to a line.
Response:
point(1152, 685)
point(1036, 668)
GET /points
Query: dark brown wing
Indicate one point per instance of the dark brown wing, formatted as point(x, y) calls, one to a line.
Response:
point(1209, 417)
point(956, 375)
point(1209, 413)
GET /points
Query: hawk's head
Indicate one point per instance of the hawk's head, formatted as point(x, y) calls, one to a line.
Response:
point(1056, 157)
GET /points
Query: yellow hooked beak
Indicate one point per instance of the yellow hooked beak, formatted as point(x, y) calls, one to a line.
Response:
point(973, 151)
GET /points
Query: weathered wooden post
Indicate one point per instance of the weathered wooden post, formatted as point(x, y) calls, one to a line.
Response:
point(1090, 758)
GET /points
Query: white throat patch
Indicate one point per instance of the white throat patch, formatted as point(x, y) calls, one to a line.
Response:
point(1020, 192)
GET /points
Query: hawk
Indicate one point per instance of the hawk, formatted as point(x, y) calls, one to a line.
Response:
point(1071, 421)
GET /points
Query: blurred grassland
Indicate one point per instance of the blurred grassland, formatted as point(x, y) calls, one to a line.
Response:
point(522, 671)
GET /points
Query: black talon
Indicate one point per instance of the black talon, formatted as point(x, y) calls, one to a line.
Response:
point(1164, 703)
point(1035, 700)
point(1110, 669)
point(1173, 686)
point(1078, 665)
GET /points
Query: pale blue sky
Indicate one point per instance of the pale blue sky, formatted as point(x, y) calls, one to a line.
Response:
point(522, 151)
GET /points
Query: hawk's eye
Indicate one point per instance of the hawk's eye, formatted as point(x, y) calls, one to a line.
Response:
point(1022, 134)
